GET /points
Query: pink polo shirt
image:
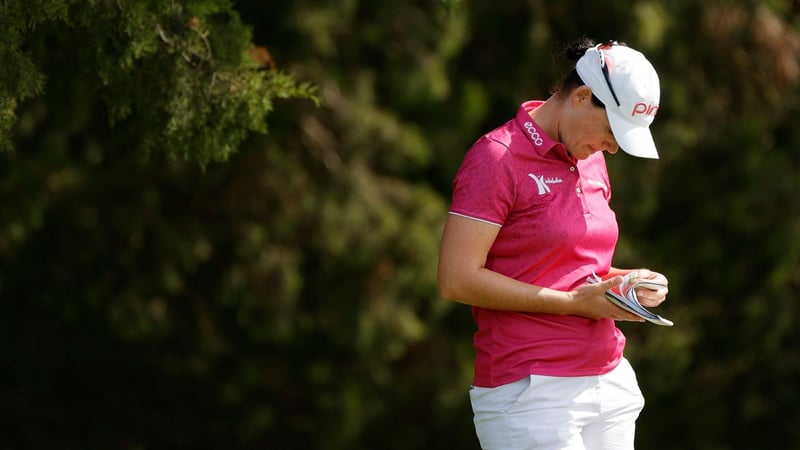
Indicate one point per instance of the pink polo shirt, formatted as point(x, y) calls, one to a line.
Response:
point(556, 227)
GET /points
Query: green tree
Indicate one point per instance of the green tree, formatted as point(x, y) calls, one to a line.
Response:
point(173, 276)
point(181, 78)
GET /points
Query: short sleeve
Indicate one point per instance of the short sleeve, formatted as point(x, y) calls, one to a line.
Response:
point(484, 187)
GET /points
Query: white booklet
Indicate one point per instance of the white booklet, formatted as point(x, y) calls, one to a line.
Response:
point(624, 296)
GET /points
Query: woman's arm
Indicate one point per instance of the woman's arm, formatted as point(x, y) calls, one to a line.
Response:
point(464, 278)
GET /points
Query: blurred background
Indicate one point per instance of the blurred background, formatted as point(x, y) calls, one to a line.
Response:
point(220, 219)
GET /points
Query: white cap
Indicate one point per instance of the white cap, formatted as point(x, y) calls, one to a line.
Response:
point(635, 83)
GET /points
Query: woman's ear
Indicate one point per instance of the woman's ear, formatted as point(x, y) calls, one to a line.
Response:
point(581, 94)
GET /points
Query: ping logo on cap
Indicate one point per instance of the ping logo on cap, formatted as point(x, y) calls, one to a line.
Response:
point(623, 78)
point(644, 108)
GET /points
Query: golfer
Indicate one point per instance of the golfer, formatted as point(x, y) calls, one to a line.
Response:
point(529, 222)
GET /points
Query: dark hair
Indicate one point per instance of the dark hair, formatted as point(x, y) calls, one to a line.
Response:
point(571, 80)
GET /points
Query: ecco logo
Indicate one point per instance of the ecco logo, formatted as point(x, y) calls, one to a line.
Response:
point(644, 108)
point(534, 133)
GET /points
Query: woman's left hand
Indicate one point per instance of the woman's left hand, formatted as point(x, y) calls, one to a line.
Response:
point(650, 297)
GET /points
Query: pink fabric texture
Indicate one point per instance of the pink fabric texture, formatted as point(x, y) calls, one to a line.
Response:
point(556, 227)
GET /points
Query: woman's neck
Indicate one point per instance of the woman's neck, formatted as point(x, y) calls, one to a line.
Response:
point(546, 116)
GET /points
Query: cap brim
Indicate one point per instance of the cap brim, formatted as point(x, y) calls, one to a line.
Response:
point(632, 139)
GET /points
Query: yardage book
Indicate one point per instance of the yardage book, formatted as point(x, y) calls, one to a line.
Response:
point(624, 296)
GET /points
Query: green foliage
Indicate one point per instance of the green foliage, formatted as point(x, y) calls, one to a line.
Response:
point(173, 276)
point(180, 78)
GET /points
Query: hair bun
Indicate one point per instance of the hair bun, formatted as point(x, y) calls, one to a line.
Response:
point(573, 51)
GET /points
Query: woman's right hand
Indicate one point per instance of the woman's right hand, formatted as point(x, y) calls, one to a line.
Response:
point(590, 301)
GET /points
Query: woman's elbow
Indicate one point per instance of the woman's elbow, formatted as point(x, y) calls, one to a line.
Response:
point(449, 287)
point(445, 291)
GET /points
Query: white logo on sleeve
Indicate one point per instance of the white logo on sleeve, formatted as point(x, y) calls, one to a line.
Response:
point(542, 182)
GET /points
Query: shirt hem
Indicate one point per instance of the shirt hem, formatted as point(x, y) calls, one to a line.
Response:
point(551, 373)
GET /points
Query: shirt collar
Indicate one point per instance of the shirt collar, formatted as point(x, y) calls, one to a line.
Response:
point(537, 137)
point(540, 141)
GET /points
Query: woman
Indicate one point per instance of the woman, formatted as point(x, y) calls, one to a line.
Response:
point(529, 223)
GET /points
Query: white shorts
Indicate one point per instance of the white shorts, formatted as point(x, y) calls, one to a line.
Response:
point(559, 413)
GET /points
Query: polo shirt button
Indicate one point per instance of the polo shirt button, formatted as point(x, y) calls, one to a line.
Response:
point(572, 169)
point(578, 190)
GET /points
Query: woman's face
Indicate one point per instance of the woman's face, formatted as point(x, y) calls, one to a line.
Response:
point(585, 129)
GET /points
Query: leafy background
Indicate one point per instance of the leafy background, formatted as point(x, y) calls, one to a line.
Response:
point(220, 219)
